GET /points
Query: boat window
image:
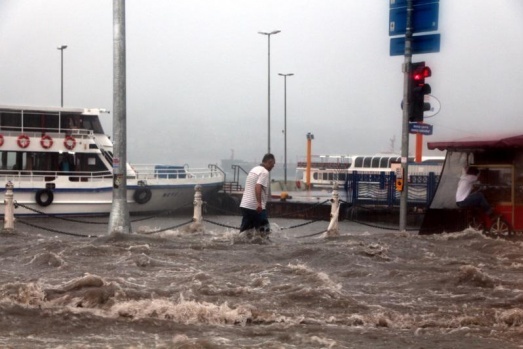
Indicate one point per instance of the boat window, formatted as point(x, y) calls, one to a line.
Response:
point(366, 162)
point(90, 163)
point(9, 121)
point(92, 122)
point(375, 162)
point(33, 122)
point(384, 162)
point(358, 162)
point(13, 160)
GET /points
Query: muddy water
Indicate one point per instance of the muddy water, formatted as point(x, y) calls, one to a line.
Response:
point(367, 288)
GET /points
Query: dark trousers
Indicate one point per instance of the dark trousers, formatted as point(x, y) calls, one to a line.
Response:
point(253, 219)
point(476, 199)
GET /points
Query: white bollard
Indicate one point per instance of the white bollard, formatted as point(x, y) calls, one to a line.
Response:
point(9, 215)
point(333, 230)
point(197, 217)
point(197, 224)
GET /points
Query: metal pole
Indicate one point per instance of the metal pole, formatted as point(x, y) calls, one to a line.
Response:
point(62, 48)
point(269, 86)
point(269, 95)
point(405, 121)
point(285, 125)
point(119, 221)
point(285, 131)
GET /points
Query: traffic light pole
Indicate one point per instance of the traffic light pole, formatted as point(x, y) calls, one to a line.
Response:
point(405, 120)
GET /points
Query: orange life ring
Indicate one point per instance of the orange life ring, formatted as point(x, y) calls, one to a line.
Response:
point(69, 142)
point(1, 140)
point(46, 142)
point(23, 141)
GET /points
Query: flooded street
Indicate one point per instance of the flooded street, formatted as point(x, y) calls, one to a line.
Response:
point(367, 288)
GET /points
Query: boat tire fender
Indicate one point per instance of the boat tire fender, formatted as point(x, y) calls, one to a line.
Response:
point(44, 197)
point(142, 195)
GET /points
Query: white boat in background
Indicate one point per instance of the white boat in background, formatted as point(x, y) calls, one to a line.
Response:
point(60, 162)
point(325, 170)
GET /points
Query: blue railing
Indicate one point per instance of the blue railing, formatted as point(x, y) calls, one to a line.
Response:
point(379, 188)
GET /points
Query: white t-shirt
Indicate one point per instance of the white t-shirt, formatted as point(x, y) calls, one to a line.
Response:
point(258, 175)
point(465, 185)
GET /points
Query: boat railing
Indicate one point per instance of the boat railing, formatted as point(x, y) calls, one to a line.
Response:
point(54, 132)
point(19, 176)
point(150, 172)
point(324, 165)
point(217, 169)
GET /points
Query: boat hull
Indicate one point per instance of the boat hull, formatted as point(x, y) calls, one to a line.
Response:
point(97, 200)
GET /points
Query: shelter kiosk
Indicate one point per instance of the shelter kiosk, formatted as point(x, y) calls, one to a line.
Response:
point(500, 161)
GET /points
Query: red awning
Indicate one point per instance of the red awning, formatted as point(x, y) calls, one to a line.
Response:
point(486, 142)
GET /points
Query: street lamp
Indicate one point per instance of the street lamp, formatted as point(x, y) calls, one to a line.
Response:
point(269, 87)
point(62, 48)
point(285, 125)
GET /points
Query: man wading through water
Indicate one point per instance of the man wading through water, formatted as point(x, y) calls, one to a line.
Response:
point(255, 195)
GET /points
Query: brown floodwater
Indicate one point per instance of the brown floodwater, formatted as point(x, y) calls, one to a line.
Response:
point(179, 288)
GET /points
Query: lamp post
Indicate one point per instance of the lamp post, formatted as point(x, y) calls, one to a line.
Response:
point(269, 88)
point(285, 125)
point(62, 48)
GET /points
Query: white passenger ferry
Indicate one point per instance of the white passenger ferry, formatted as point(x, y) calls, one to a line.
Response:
point(60, 162)
point(325, 170)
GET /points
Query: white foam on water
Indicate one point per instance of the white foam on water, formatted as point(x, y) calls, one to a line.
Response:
point(185, 312)
point(511, 317)
point(48, 258)
point(469, 274)
point(463, 235)
point(30, 293)
point(322, 278)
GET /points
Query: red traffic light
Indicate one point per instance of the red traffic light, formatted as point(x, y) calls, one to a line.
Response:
point(421, 73)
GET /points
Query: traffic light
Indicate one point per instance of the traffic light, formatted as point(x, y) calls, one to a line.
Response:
point(418, 90)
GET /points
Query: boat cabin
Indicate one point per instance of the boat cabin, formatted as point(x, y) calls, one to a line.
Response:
point(52, 140)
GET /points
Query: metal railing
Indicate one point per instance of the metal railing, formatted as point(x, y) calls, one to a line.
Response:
point(148, 172)
point(24, 176)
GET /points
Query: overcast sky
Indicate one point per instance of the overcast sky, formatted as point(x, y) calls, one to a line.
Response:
point(197, 72)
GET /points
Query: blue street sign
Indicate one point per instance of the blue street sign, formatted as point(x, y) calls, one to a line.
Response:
point(424, 19)
point(420, 44)
point(425, 129)
point(403, 3)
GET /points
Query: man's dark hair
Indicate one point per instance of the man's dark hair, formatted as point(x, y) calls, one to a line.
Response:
point(268, 157)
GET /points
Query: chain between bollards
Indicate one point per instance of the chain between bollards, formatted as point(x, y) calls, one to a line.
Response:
point(197, 220)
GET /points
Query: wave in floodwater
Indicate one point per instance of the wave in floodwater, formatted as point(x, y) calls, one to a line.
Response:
point(211, 288)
